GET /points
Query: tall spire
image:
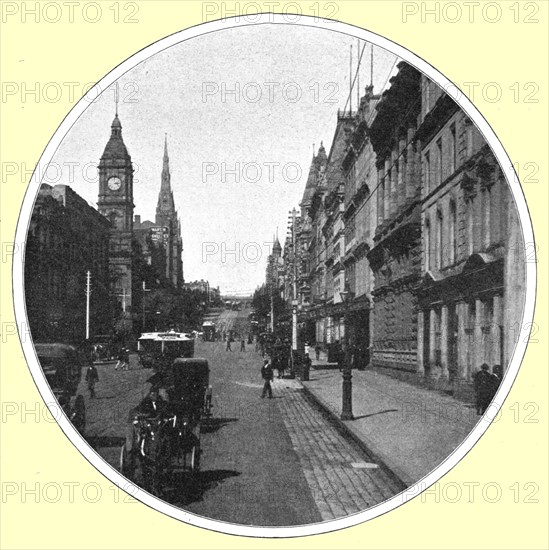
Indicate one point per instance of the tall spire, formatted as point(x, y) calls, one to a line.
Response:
point(165, 205)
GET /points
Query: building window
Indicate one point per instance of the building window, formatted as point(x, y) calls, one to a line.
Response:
point(428, 245)
point(469, 137)
point(427, 165)
point(486, 203)
point(470, 226)
point(452, 149)
point(452, 244)
point(440, 169)
point(439, 237)
point(381, 207)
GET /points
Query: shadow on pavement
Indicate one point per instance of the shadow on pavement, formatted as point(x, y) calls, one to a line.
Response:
point(184, 488)
point(214, 424)
point(101, 441)
point(375, 414)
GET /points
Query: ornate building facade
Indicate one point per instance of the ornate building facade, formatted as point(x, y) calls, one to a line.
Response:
point(464, 212)
point(410, 219)
point(360, 217)
point(396, 251)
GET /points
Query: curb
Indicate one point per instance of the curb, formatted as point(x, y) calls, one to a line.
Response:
point(398, 476)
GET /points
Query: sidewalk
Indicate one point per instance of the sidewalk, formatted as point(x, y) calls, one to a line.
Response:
point(409, 429)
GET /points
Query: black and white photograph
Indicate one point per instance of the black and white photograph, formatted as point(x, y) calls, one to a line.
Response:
point(276, 275)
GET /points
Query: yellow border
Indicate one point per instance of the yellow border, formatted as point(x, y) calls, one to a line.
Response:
point(492, 42)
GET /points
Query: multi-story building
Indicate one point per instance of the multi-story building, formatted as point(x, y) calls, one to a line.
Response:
point(66, 239)
point(333, 229)
point(396, 251)
point(292, 261)
point(313, 273)
point(465, 200)
point(360, 217)
point(274, 276)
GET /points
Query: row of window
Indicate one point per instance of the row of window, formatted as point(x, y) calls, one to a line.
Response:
point(484, 226)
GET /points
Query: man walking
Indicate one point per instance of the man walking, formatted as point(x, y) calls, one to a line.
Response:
point(91, 378)
point(228, 348)
point(267, 375)
point(482, 381)
point(123, 358)
point(242, 344)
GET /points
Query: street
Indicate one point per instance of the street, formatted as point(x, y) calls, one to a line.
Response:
point(265, 462)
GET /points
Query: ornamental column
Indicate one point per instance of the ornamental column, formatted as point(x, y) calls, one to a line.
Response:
point(495, 331)
point(432, 339)
point(462, 343)
point(420, 342)
point(411, 166)
point(444, 341)
point(388, 191)
point(401, 184)
point(380, 195)
point(478, 337)
point(394, 182)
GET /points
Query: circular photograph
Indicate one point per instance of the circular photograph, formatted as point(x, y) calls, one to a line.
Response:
point(278, 276)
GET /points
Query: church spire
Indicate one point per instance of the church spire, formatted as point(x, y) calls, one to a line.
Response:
point(165, 206)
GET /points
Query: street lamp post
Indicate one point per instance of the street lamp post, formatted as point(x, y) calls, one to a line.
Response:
point(347, 384)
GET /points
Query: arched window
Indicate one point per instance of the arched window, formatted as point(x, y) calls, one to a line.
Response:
point(452, 237)
point(428, 255)
point(439, 237)
point(470, 205)
point(427, 172)
point(381, 205)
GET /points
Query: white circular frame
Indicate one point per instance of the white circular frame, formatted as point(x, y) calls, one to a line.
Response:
point(19, 293)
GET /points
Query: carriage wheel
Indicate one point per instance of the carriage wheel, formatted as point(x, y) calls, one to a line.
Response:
point(127, 456)
point(195, 453)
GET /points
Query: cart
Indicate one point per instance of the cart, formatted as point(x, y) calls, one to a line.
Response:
point(155, 348)
point(167, 441)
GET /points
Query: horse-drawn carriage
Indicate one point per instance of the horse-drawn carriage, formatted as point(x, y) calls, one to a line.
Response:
point(164, 433)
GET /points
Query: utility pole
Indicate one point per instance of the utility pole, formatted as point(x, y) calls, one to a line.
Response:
point(294, 300)
point(88, 294)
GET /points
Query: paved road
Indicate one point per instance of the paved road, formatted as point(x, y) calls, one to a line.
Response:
point(265, 462)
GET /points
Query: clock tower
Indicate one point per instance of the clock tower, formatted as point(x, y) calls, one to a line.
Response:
point(115, 202)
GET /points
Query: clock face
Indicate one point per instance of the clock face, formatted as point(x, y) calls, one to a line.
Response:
point(114, 183)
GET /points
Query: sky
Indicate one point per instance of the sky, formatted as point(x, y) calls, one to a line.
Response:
point(239, 161)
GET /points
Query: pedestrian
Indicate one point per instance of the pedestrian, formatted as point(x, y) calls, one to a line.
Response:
point(228, 348)
point(267, 375)
point(482, 381)
point(317, 351)
point(121, 359)
point(91, 378)
point(126, 365)
point(242, 344)
point(307, 364)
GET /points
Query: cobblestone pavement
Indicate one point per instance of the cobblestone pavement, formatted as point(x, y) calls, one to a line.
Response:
point(271, 462)
point(341, 478)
